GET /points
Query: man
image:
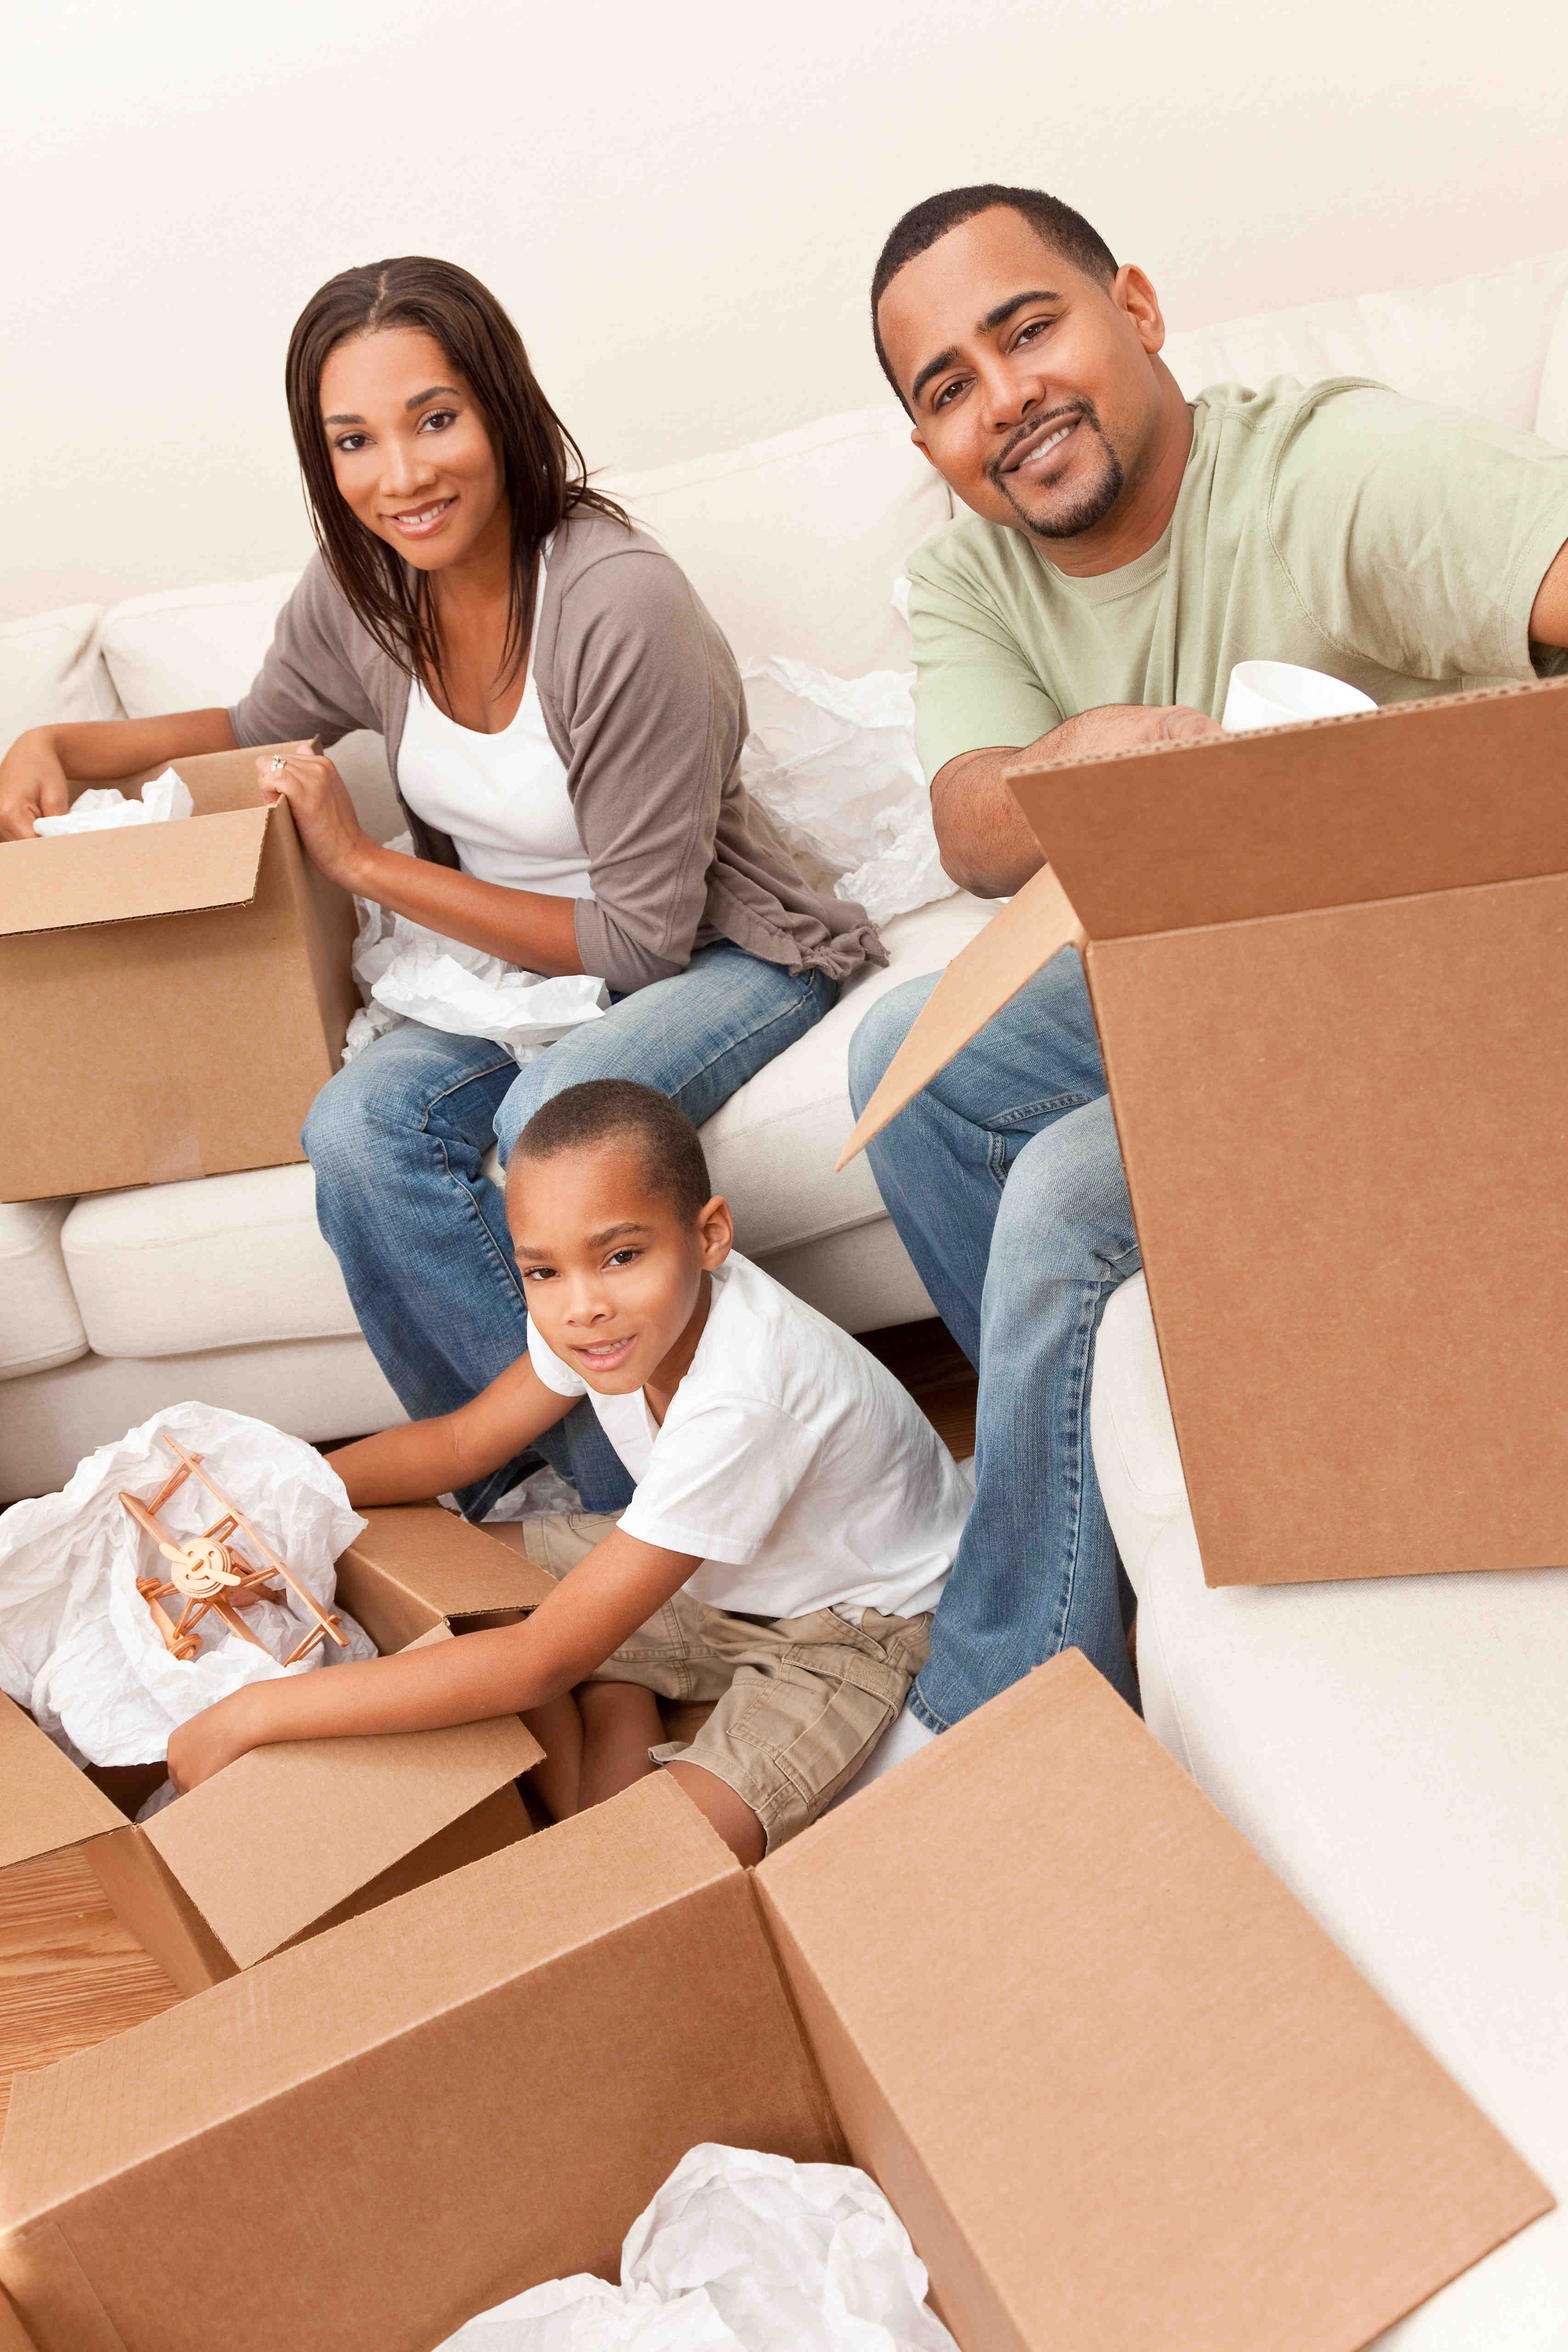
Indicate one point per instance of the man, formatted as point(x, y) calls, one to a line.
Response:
point(1124, 548)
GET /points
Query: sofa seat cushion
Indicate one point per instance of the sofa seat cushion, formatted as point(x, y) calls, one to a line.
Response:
point(222, 1262)
point(39, 1323)
point(1131, 1428)
point(1393, 1748)
point(237, 1261)
point(772, 1148)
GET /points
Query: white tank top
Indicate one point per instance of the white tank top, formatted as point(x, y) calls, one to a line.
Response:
point(501, 798)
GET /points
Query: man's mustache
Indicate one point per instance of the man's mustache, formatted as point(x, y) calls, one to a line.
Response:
point(1083, 410)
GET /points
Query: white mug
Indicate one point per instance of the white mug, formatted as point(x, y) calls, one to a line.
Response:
point(1278, 694)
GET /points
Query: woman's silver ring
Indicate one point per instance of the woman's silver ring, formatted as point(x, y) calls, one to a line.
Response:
point(278, 760)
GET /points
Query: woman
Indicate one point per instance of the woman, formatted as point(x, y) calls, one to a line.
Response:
point(563, 722)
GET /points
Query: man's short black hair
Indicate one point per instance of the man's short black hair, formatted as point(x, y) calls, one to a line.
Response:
point(919, 228)
point(618, 1110)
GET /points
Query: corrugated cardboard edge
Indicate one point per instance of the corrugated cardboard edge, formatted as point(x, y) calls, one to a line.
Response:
point(148, 1899)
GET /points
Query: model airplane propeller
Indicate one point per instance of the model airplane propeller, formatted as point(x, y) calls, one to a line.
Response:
point(209, 1574)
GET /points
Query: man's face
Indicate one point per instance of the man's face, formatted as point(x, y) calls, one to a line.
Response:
point(612, 1271)
point(1031, 385)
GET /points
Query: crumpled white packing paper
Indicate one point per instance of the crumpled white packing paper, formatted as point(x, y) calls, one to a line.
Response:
point(832, 760)
point(78, 1645)
point(738, 2252)
point(104, 811)
point(407, 973)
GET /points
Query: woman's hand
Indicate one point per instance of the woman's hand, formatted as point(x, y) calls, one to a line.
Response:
point(218, 1736)
point(334, 840)
point(32, 784)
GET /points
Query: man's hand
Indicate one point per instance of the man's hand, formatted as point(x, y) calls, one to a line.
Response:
point(987, 842)
point(32, 784)
point(334, 840)
point(219, 1735)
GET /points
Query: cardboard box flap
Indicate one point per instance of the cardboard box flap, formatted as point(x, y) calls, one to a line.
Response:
point(316, 1820)
point(1122, 2089)
point(440, 1560)
point(48, 1802)
point(1339, 812)
point(1016, 944)
point(470, 2090)
point(70, 882)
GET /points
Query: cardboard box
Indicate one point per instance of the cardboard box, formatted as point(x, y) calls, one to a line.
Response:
point(1124, 2092)
point(289, 1840)
point(1329, 964)
point(172, 996)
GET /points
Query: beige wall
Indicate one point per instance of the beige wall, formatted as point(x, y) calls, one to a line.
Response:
point(680, 204)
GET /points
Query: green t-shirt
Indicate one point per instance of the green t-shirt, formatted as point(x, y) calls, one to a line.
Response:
point(1395, 545)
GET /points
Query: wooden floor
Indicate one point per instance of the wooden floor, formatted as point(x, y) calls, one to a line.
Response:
point(69, 1973)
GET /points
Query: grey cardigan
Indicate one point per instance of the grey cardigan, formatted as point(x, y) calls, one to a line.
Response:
point(642, 701)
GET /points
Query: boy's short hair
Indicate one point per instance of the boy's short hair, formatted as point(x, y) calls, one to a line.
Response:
point(1056, 223)
point(618, 1110)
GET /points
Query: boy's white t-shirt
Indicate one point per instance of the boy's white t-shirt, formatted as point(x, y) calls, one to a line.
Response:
point(791, 1461)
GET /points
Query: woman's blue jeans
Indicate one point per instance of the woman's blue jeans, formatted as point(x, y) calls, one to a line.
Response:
point(1004, 1182)
point(398, 1139)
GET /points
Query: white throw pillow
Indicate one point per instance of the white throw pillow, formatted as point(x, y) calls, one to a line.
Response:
point(52, 671)
point(832, 759)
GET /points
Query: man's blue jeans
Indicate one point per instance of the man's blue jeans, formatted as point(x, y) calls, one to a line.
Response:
point(397, 1140)
point(1004, 1181)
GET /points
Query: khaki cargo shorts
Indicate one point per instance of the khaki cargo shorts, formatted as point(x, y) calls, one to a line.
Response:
point(796, 1701)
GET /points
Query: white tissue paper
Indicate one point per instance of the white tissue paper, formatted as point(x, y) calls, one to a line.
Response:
point(164, 799)
point(78, 1643)
point(738, 2252)
point(832, 760)
point(407, 973)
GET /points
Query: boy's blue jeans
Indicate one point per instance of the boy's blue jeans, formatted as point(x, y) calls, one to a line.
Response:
point(1004, 1182)
point(398, 1139)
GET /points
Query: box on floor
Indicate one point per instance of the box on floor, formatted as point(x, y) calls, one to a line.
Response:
point(1120, 2088)
point(1329, 966)
point(289, 1840)
point(193, 979)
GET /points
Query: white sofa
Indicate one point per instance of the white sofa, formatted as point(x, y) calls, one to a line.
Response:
point(116, 1305)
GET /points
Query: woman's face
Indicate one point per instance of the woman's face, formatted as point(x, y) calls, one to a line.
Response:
point(411, 450)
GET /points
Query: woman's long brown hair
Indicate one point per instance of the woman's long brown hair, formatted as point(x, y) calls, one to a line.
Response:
point(542, 467)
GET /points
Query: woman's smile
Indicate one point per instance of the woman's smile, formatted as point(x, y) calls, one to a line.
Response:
point(418, 522)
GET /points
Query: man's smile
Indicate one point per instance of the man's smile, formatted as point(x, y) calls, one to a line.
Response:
point(1036, 451)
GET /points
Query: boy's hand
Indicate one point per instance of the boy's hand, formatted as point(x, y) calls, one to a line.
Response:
point(218, 1736)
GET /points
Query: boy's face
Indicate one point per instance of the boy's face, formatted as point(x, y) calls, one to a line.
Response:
point(612, 1270)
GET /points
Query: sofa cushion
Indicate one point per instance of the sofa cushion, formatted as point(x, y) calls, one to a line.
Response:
point(317, 1389)
point(220, 1261)
point(1131, 1429)
point(52, 668)
point(795, 544)
point(194, 648)
point(1478, 344)
point(39, 1323)
point(235, 1261)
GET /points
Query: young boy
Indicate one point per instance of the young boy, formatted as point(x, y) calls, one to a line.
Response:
point(794, 1514)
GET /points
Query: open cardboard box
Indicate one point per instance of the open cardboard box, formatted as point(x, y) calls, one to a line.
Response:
point(1329, 965)
point(194, 980)
point(1125, 2094)
point(292, 1839)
